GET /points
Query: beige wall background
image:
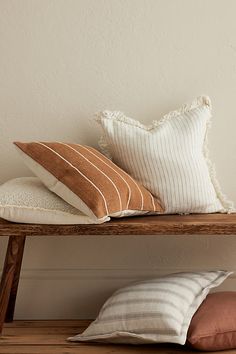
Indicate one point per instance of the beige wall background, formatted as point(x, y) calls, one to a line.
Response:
point(63, 60)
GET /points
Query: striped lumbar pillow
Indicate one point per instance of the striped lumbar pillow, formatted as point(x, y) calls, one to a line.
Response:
point(169, 157)
point(87, 180)
point(156, 310)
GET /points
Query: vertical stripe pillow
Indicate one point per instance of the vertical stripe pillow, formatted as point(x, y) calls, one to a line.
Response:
point(87, 180)
point(152, 311)
point(169, 157)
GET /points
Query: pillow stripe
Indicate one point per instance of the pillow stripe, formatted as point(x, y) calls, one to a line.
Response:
point(115, 173)
point(152, 314)
point(136, 185)
point(182, 166)
point(134, 301)
point(138, 188)
point(199, 186)
point(132, 332)
point(170, 282)
point(143, 315)
point(131, 162)
point(189, 276)
point(98, 169)
point(155, 290)
point(107, 191)
point(88, 180)
point(113, 169)
point(76, 169)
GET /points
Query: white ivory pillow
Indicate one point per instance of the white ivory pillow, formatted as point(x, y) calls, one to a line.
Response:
point(169, 157)
point(27, 200)
point(152, 311)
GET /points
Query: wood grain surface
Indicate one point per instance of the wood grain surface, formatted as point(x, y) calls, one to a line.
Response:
point(41, 337)
point(194, 224)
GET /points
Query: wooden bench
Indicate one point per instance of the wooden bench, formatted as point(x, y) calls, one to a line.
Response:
point(206, 224)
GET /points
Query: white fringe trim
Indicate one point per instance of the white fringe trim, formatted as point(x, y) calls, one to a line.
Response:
point(105, 149)
point(119, 116)
point(201, 101)
point(227, 204)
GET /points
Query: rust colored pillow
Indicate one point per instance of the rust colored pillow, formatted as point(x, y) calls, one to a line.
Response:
point(213, 327)
point(87, 180)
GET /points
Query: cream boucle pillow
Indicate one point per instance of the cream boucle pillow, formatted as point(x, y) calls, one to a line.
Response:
point(169, 157)
point(27, 200)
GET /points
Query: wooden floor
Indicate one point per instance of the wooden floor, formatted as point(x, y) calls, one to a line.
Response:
point(49, 337)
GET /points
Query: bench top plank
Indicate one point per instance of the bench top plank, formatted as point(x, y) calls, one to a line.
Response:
point(194, 224)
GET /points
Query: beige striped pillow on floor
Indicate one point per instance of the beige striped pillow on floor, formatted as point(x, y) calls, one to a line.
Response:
point(169, 157)
point(152, 311)
point(87, 180)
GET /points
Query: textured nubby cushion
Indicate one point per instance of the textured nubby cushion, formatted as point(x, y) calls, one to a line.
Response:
point(27, 200)
point(86, 179)
point(152, 311)
point(213, 327)
point(169, 157)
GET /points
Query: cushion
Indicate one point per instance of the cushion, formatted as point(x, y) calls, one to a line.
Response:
point(213, 327)
point(27, 200)
point(168, 157)
point(87, 180)
point(156, 310)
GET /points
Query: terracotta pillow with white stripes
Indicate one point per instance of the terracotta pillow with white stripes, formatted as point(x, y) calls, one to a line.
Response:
point(87, 180)
point(169, 157)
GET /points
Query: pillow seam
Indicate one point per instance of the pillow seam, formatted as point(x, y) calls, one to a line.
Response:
point(40, 209)
point(210, 335)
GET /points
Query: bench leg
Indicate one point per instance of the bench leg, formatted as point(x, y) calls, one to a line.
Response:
point(10, 276)
point(12, 300)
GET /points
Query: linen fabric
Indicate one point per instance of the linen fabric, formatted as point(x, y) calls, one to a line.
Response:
point(152, 311)
point(213, 327)
point(87, 180)
point(27, 200)
point(169, 157)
